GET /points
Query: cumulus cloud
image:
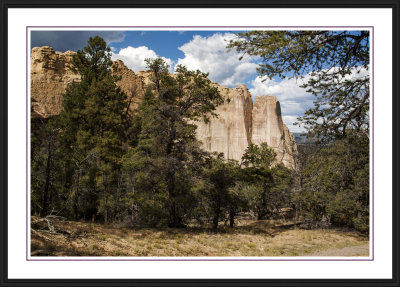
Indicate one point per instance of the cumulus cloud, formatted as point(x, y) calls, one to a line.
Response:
point(294, 100)
point(72, 40)
point(209, 54)
point(134, 57)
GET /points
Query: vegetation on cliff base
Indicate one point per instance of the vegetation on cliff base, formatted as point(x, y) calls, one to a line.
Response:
point(93, 163)
point(332, 180)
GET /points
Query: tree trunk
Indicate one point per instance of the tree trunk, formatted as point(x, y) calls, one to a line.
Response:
point(105, 208)
point(215, 220)
point(132, 213)
point(76, 195)
point(231, 218)
point(45, 203)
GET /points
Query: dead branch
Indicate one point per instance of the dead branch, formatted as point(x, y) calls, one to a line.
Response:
point(50, 225)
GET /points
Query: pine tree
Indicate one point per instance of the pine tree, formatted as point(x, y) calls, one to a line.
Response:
point(334, 66)
point(92, 130)
point(270, 182)
point(162, 162)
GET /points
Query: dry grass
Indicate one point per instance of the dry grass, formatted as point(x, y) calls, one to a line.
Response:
point(250, 238)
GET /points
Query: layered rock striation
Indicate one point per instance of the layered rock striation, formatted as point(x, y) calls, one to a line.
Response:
point(239, 122)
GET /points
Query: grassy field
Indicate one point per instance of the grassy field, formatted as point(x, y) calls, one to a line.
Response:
point(249, 238)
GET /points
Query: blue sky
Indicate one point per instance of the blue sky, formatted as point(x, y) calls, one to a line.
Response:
point(204, 50)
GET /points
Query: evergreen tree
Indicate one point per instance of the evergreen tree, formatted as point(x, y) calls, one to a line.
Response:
point(270, 181)
point(91, 130)
point(335, 184)
point(334, 66)
point(162, 163)
point(43, 147)
point(221, 175)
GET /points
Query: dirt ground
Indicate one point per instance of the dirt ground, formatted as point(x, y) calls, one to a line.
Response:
point(249, 238)
point(359, 250)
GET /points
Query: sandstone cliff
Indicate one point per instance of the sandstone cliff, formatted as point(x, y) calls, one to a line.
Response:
point(239, 122)
point(230, 132)
point(269, 127)
point(51, 73)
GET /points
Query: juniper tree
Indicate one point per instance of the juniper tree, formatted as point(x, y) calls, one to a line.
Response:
point(220, 175)
point(270, 182)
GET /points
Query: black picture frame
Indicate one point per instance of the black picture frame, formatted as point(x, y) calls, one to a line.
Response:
point(394, 5)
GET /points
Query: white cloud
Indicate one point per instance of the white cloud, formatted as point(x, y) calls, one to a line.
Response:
point(209, 54)
point(134, 57)
point(112, 36)
point(293, 99)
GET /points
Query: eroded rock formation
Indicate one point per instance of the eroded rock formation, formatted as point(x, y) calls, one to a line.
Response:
point(50, 74)
point(230, 132)
point(269, 127)
point(239, 122)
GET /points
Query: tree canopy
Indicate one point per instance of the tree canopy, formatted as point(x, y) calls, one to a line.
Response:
point(166, 154)
point(332, 65)
point(95, 162)
point(91, 126)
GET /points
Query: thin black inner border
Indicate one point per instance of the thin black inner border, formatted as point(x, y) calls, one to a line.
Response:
point(372, 195)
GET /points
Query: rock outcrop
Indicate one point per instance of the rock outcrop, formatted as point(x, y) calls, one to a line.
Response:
point(230, 132)
point(239, 122)
point(50, 74)
point(133, 85)
point(269, 127)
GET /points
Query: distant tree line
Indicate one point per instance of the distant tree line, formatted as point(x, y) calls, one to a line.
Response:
point(96, 161)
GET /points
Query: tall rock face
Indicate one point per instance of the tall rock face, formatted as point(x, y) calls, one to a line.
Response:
point(230, 132)
point(51, 72)
point(133, 85)
point(269, 127)
point(239, 122)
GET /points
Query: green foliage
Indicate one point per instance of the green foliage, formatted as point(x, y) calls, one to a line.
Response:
point(162, 165)
point(221, 175)
point(333, 65)
point(91, 127)
point(261, 156)
point(43, 148)
point(270, 183)
point(335, 183)
point(332, 180)
point(96, 162)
